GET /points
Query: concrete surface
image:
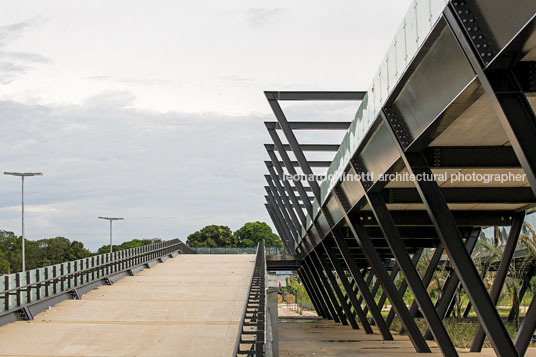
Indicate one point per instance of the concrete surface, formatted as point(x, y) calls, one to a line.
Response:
point(320, 337)
point(190, 305)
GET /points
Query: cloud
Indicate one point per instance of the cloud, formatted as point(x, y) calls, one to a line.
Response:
point(143, 81)
point(168, 174)
point(258, 17)
point(14, 64)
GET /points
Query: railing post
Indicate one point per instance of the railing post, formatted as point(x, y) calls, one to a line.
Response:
point(7, 294)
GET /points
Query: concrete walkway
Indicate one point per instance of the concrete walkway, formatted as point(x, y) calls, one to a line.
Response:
point(190, 305)
point(320, 337)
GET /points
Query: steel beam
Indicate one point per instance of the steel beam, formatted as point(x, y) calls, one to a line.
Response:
point(451, 240)
point(291, 170)
point(323, 290)
point(500, 275)
point(315, 147)
point(526, 330)
point(310, 125)
point(427, 278)
point(403, 287)
point(292, 229)
point(526, 283)
point(286, 207)
point(287, 236)
point(310, 292)
point(277, 225)
point(451, 284)
point(348, 288)
point(363, 287)
point(318, 293)
point(335, 285)
point(375, 262)
point(316, 95)
point(506, 95)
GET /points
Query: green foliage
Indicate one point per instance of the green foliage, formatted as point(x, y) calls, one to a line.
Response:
point(212, 236)
point(39, 253)
point(296, 288)
point(134, 243)
point(252, 233)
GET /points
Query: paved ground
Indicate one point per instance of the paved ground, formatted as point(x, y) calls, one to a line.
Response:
point(190, 305)
point(320, 337)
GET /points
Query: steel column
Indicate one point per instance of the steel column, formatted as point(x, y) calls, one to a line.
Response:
point(336, 288)
point(323, 291)
point(322, 279)
point(319, 294)
point(375, 262)
point(526, 330)
point(500, 276)
point(348, 288)
point(524, 286)
point(451, 240)
point(311, 293)
point(451, 284)
point(403, 287)
point(363, 287)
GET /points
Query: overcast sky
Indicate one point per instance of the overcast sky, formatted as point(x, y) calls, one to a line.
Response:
point(154, 110)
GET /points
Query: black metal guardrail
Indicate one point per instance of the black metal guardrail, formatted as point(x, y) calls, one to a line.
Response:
point(251, 332)
point(26, 294)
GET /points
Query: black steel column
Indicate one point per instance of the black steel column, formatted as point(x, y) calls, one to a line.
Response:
point(428, 275)
point(375, 262)
point(311, 293)
point(291, 227)
point(336, 288)
point(500, 275)
point(524, 287)
point(403, 287)
point(363, 287)
point(451, 240)
point(450, 286)
point(283, 198)
point(392, 276)
point(506, 95)
point(323, 291)
point(287, 236)
point(322, 279)
point(308, 276)
point(526, 330)
point(395, 242)
point(348, 288)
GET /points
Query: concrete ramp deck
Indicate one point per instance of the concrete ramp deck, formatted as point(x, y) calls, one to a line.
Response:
point(190, 305)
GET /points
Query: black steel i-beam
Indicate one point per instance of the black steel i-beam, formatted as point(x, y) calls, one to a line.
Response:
point(427, 278)
point(526, 330)
point(506, 96)
point(315, 263)
point(375, 262)
point(323, 290)
point(451, 240)
point(284, 234)
point(278, 228)
point(403, 287)
point(368, 280)
point(278, 191)
point(335, 285)
point(284, 222)
point(363, 287)
point(311, 294)
point(314, 287)
point(525, 285)
point(399, 250)
point(392, 276)
point(348, 288)
point(288, 188)
point(451, 284)
point(286, 159)
point(500, 275)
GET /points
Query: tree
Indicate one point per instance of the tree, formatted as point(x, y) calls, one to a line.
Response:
point(134, 243)
point(252, 233)
point(212, 236)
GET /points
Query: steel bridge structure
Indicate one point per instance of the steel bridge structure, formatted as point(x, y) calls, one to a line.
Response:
point(443, 144)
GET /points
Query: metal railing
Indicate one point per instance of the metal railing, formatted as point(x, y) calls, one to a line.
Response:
point(22, 290)
point(268, 251)
point(251, 332)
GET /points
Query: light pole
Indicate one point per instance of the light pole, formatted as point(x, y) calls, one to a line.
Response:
point(111, 219)
point(22, 176)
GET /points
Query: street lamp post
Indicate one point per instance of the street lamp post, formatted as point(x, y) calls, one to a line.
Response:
point(22, 175)
point(111, 219)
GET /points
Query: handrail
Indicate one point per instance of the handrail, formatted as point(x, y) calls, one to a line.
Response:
point(24, 289)
point(253, 321)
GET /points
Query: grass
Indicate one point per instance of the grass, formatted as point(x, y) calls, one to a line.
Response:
point(461, 332)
